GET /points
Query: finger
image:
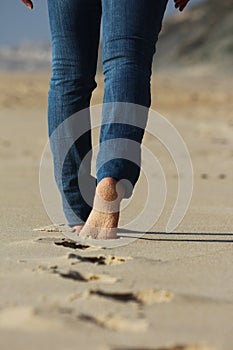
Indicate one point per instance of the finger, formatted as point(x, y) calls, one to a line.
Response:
point(28, 3)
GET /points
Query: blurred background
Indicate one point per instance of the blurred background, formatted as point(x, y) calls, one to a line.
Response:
point(19, 25)
point(201, 34)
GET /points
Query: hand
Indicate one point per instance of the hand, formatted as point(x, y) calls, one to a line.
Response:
point(28, 3)
point(181, 4)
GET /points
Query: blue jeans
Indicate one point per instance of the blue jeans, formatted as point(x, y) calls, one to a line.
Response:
point(130, 32)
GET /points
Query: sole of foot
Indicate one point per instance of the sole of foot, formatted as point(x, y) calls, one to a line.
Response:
point(103, 220)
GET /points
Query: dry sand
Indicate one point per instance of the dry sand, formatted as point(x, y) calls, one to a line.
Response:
point(164, 291)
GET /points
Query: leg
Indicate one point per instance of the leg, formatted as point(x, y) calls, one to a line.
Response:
point(130, 33)
point(75, 29)
point(129, 42)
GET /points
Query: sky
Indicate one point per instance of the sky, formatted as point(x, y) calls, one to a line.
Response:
point(19, 25)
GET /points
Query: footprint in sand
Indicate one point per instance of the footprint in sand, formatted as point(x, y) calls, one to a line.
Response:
point(75, 245)
point(98, 260)
point(143, 297)
point(77, 276)
point(173, 347)
point(65, 243)
point(115, 323)
point(50, 228)
point(50, 239)
point(45, 268)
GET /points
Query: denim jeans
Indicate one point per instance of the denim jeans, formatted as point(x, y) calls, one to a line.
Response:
point(130, 30)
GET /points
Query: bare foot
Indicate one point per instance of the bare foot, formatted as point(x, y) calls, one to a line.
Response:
point(103, 220)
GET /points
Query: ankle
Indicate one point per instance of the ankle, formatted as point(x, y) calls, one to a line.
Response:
point(110, 181)
point(110, 189)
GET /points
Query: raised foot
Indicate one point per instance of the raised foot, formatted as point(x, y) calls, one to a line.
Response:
point(103, 220)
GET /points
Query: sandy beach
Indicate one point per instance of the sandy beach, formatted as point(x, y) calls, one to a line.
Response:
point(169, 291)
